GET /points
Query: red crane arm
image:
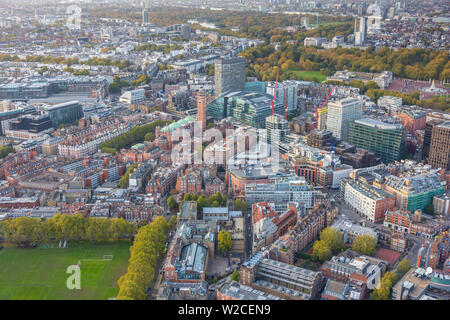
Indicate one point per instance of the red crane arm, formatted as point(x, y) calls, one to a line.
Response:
point(317, 109)
point(329, 95)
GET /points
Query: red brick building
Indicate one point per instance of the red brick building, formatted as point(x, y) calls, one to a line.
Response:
point(190, 182)
point(15, 203)
point(413, 120)
point(214, 185)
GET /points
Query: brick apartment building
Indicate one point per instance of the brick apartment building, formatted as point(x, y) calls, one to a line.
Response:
point(190, 182)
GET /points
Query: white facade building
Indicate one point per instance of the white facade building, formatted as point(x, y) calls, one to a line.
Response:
point(340, 113)
point(360, 30)
point(133, 96)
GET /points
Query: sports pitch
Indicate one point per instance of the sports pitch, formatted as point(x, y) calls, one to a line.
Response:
point(40, 274)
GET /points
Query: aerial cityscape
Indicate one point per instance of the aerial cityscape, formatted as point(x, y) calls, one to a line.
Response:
point(262, 150)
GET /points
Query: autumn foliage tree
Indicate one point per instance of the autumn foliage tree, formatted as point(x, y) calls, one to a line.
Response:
point(330, 243)
point(365, 244)
point(224, 242)
point(26, 231)
point(145, 252)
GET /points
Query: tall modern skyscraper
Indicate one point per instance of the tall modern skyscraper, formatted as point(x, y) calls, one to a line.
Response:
point(427, 137)
point(440, 146)
point(277, 128)
point(386, 140)
point(145, 15)
point(185, 31)
point(340, 114)
point(285, 90)
point(201, 109)
point(229, 75)
point(360, 30)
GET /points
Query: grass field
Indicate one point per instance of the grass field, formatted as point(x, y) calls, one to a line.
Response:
point(40, 274)
point(308, 75)
point(329, 23)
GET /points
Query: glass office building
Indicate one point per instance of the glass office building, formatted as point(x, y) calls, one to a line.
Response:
point(249, 108)
point(386, 140)
point(64, 113)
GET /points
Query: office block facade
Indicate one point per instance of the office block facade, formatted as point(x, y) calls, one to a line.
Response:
point(440, 146)
point(340, 114)
point(229, 75)
point(384, 139)
point(277, 128)
point(249, 108)
point(64, 113)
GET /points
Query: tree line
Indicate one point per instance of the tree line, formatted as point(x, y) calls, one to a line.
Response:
point(146, 251)
point(437, 103)
point(27, 231)
point(254, 25)
point(264, 61)
point(134, 135)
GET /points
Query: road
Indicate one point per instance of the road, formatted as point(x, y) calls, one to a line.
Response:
point(248, 233)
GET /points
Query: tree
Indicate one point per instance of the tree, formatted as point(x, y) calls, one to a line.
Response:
point(173, 222)
point(4, 151)
point(240, 205)
point(365, 244)
point(123, 182)
point(147, 249)
point(209, 69)
point(150, 136)
point(321, 251)
point(333, 239)
point(218, 197)
point(30, 231)
point(130, 289)
point(187, 197)
point(135, 134)
point(403, 266)
point(224, 242)
point(172, 203)
point(201, 203)
point(235, 275)
point(384, 290)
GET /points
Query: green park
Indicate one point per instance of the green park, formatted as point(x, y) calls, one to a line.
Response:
point(40, 273)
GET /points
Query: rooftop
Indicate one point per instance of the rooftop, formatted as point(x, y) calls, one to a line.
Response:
point(377, 124)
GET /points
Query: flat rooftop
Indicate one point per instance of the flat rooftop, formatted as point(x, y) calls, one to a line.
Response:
point(378, 124)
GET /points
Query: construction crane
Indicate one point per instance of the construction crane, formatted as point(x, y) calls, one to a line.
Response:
point(275, 94)
point(322, 110)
